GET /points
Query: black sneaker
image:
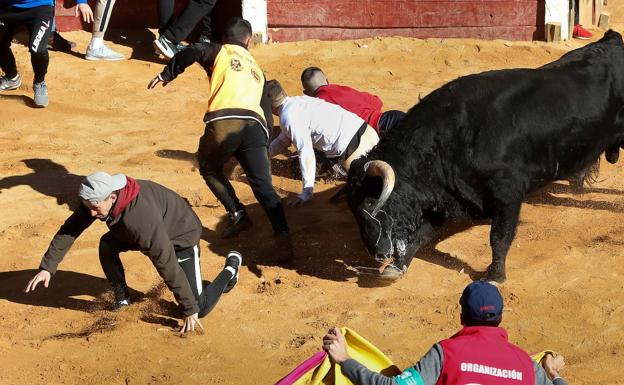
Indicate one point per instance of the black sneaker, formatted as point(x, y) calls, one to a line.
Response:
point(56, 42)
point(284, 246)
point(203, 39)
point(237, 222)
point(121, 305)
point(233, 260)
point(122, 299)
point(165, 47)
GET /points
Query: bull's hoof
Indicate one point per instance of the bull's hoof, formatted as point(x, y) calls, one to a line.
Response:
point(495, 277)
point(612, 155)
point(391, 274)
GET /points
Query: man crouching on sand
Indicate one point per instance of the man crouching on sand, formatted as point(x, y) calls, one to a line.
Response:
point(144, 216)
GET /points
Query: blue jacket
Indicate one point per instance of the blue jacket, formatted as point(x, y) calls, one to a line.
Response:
point(32, 3)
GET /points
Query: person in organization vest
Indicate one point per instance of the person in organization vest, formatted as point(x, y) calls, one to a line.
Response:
point(479, 353)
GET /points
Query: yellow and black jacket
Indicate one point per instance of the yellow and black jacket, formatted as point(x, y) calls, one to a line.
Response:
point(237, 85)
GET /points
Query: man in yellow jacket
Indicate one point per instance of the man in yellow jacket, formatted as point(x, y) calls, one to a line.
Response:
point(238, 120)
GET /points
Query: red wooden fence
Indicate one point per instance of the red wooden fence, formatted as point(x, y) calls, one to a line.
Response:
point(291, 20)
point(349, 19)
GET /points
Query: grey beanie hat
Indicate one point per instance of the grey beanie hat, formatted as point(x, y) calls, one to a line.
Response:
point(99, 186)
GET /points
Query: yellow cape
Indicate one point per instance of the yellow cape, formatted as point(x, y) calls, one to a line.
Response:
point(328, 373)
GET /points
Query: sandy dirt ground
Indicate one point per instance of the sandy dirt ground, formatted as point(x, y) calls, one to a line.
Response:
point(565, 272)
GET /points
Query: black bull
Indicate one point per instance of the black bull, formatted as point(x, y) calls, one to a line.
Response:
point(476, 146)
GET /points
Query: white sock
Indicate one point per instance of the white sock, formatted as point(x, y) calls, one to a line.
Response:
point(231, 270)
point(96, 42)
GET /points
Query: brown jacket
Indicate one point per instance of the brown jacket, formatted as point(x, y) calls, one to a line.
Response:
point(157, 222)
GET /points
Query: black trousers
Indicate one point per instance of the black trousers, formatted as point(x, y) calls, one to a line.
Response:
point(38, 21)
point(389, 119)
point(188, 259)
point(245, 140)
point(179, 29)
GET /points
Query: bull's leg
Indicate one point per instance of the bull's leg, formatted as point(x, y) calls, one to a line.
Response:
point(502, 233)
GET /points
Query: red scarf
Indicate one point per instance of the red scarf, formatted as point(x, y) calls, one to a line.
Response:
point(125, 196)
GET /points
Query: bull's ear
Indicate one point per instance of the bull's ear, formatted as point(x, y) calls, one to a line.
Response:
point(357, 173)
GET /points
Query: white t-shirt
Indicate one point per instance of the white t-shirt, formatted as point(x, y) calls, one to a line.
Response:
point(312, 123)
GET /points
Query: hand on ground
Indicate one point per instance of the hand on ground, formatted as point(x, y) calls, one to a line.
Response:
point(42, 276)
point(189, 324)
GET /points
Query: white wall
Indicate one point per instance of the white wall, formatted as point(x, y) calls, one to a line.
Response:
point(558, 11)
point(255, 11)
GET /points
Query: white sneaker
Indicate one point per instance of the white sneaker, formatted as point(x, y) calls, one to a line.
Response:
point(103, 53)
point(41, 94)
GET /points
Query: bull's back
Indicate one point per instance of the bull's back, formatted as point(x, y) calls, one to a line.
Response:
point(551, 122)
point(546, 123)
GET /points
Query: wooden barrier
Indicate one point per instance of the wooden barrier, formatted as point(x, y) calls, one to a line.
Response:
point(291, 20)
point(347, 19)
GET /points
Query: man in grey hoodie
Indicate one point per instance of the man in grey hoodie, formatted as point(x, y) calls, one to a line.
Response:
point(144, 216)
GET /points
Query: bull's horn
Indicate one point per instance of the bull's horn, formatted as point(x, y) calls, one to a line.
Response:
point(385, 171)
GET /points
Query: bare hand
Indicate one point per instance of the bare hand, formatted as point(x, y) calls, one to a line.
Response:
point(42, 276)
point(553, 363)
point(189, 324)
point(334, 344)
point(85, 11)
point(155, 81)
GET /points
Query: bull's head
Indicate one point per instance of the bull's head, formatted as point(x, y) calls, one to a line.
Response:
point(389, 214)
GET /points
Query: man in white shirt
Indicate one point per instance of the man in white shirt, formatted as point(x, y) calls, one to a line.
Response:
point(313, 124)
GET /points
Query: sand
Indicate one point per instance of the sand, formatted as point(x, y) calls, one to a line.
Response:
point(565, 272)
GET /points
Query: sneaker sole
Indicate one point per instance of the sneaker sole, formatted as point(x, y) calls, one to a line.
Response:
point(95, 58)
point(10, 88)
point(165, 51)
point(237, 255)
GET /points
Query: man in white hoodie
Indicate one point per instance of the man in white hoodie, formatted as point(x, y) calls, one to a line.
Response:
point(313, 124)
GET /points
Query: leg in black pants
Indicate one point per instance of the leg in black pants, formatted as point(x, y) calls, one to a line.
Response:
point(165, 14)
point(7, 31)
point(38, 20)
point(207, 297)
point(246, 140)
point(40, 28)
point(110, 248)
point(389, 119)
point(220, 141)
point(253, 156)
point(195, 11)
